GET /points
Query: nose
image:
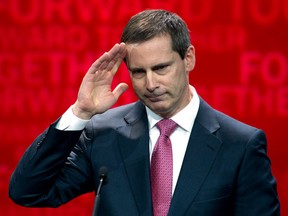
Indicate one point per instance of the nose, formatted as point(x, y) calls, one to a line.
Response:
point(151, 82)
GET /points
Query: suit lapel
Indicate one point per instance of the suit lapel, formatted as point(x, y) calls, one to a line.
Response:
point(134, 147)
point(199, 157)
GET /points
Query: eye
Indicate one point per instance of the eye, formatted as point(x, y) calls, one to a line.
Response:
point(160, 69)
point(138, 73)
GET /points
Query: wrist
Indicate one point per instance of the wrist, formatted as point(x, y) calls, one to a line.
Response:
point(80, 113)
point(70, 122)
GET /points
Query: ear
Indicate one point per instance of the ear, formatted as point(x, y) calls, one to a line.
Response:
point(190, 58)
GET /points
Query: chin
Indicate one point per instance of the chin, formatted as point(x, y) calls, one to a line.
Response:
point(159, 109)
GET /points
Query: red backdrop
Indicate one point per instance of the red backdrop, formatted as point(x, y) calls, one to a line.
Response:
point(47, 46)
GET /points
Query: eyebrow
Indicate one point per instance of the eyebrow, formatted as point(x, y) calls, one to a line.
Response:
point(154, 67)
point(135, 69)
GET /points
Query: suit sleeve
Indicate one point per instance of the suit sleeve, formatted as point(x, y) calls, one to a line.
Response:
point(53, 170)
point(256, 187)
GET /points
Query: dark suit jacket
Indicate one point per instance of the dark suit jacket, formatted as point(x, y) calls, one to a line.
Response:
point(225, 171)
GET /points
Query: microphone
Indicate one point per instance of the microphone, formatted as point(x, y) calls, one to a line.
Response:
point(103, 174)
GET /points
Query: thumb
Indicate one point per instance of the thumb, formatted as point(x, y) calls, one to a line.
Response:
point(119, 90)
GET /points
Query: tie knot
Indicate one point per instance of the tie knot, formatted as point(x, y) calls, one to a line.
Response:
point(166, 126)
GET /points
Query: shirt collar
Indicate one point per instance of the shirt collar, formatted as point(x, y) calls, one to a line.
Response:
point(185, 118)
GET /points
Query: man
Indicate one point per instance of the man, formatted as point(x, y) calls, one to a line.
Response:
point(220, 165)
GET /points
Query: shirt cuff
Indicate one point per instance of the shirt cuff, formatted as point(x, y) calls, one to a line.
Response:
point(70, 122)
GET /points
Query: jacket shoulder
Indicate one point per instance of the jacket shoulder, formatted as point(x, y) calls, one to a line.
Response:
point(224, 125)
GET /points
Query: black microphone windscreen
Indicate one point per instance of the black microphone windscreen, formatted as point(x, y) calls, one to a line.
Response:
point(103, 173)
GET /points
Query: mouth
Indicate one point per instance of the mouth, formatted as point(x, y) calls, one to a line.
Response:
point(154, 98)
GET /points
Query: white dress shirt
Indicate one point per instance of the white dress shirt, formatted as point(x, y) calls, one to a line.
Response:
point(179, 138)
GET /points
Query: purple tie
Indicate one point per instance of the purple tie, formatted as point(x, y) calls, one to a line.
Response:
point(162, 168)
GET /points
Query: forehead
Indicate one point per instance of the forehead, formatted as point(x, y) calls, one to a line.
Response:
point(150, 52)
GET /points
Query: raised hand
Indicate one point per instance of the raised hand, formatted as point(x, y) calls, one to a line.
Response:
point(95, 95)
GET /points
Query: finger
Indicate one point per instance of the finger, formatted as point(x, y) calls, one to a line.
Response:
point(99, 63)
point(108, 58)
point(116, 51)
point(116, 60)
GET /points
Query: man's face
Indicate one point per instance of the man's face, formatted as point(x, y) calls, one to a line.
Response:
point(160, 77)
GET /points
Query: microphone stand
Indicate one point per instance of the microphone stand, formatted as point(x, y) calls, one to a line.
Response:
point(103, 180)
point(97, 199)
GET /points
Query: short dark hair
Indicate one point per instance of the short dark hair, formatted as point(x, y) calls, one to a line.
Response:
point(151, 23)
